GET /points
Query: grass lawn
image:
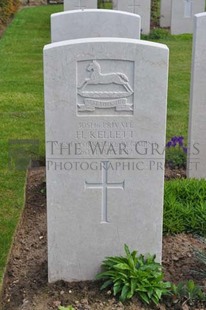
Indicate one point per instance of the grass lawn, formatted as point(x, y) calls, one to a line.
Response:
point(21, 108)
point(21, 103)
point(179, 84)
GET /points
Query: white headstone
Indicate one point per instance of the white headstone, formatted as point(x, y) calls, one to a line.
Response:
point(105, 131)
point(165, 13)
point(140, 7)
point(94, 23)
point(79, 4)
point(183, 14)
point(196, 166)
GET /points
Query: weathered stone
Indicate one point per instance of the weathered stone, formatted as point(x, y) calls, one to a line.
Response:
point(140, 7)
point(80, 24)
point(79, 4)
point(165, 13)
point(196, 166)
point(105, 114)
point(183, 12)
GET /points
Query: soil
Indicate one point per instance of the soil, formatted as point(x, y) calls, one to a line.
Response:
point(25, 284)
point(174, 173)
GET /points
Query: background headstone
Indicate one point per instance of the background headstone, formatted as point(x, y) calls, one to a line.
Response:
point(196, 166)
point(105, 115)
point(94, 23)
point(140, 7)
point(165, 13)
point(79, 4)
point(183, 15)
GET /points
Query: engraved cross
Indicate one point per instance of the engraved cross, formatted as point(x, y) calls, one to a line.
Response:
point(104, 185)
point(79, 5)
point(133, 6)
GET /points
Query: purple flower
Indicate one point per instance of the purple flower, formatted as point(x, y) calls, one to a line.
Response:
point(174, 141)
point(169, 144)
point(180, 140)
point(184, 150)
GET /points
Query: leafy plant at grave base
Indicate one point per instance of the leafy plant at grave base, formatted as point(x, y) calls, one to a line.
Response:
point(66, 308)
point(134, 275)
point(155, 12)
point(158, 33)
point(201, 256)
point(176, 152)
point(185, 207)
point(187, 292)
point(105, 4)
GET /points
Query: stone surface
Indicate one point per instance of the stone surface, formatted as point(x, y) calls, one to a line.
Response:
point(140, 7)
point(196, 166)
point(165, 13)
point(183, 14)
point(105, 134)
point(80, 24)
point(79, 4)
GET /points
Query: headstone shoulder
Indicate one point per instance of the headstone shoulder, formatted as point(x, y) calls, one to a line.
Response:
point(94, 23)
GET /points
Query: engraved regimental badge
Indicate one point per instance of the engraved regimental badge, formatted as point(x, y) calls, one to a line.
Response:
point(103, 91)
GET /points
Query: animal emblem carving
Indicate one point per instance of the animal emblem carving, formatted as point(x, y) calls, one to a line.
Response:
point(97, 77)
point(115, 99)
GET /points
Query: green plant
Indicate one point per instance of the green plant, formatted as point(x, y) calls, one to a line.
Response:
point(187, 292)
point(155, 12)
point(102, 4)
point(66, 308)
point(176, 152)
point(134, 275)
point(185, 207)
point(158, 33)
